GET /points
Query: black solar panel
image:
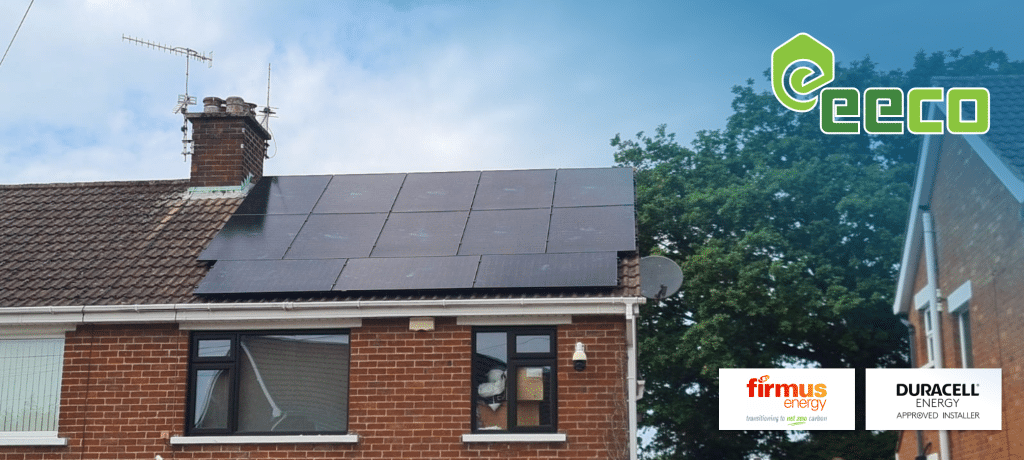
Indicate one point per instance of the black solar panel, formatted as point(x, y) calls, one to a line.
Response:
point(259, 276)
point(409, 234)
point(284, 195)
point(337, 236)
point(593, 229)
point(506, 231)
point(515, 189)
point(593, 187)
point(254, 237)
point(447, 191)
point(454, 230)
point(548, 270)
point(360, 193)
point(408, 273)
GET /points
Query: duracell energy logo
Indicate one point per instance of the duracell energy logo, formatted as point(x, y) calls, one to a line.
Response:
point(933, 399)
point(937, 395)
point(797, 395)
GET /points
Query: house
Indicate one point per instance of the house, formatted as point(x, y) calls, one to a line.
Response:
point(480, 314)
point(961, 282)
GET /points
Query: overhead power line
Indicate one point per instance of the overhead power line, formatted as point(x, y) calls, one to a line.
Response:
point(16, 31)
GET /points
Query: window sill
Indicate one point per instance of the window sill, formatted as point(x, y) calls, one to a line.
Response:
point(33, 441)
point(514, 437)
point(295, 439)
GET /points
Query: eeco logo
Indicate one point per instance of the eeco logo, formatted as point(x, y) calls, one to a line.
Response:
point(810, 65)
point(786, 399)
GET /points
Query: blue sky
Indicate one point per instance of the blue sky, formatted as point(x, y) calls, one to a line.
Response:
point(420, 86)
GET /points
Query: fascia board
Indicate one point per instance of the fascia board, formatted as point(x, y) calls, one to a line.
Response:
point(337, 314)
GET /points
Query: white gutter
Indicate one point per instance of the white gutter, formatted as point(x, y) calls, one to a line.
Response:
point(931, 260)
point(324, 314)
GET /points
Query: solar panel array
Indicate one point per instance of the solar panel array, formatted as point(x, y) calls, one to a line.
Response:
point(419, 231)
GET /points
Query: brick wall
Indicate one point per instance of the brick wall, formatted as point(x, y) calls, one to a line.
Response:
point(980, 238)
point(227, 148)
point(124, 392)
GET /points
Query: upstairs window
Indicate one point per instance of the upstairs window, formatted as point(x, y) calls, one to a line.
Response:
point(514, 380)
point(30, 374)
point(253, 383)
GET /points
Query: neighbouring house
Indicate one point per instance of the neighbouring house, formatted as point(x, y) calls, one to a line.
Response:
point(961, 283)
point(231, 315)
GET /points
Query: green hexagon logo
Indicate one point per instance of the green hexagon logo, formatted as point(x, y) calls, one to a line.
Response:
point(803, 52)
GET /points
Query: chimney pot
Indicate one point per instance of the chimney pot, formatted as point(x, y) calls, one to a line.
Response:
point(237, 105)
point(213, 104)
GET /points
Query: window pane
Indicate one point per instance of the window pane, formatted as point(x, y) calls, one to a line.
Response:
point(212, 389)
point(30, 372)
point(214, 348)
point(533, 344)
point(293, 383)
point(533, 393)
point(489, 364)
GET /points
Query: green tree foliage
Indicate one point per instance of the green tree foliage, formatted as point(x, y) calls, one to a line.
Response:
point(789, 241)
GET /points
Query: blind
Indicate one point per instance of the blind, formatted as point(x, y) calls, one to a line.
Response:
point(30, 371)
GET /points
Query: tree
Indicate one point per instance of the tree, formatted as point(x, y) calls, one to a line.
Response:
point(789, 240)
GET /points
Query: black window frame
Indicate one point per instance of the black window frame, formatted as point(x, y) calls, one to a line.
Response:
point(515, 361)
point(230, 363)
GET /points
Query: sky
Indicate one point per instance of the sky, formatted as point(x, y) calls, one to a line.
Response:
point(406, 86)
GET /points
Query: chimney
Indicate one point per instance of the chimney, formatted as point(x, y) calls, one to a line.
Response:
point(228, 144)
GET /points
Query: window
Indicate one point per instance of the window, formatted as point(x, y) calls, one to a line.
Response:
point(959, 306)
point(514, 380)
point(283, 382)
point(30, 374)
point(929, 336)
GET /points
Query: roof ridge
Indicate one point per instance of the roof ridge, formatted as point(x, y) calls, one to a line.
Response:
point(52, 185)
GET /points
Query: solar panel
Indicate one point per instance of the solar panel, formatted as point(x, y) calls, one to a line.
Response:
point(593, 229)
point(284, 195)
point(337, 236)
point(408, 273)
point(547, 270)
point(360, 193)
point(594, 187)
point(411, 234)
point(254, 237)
point(515, 189)
point(261, 276)
point(447, 191)
point(506, 231)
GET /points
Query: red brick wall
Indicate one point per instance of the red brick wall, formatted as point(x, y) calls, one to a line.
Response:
point(226, 149)
point(124, 389)
point(979, 237)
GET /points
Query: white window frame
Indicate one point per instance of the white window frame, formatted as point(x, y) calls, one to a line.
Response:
point(39, 438)
point(959, 303)
point(922, 302)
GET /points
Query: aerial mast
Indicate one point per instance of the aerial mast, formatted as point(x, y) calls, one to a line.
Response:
point(184, 100)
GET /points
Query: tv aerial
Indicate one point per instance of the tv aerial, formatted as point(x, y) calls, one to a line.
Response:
point(660, 277)
point(267, 111)
point(184, 100)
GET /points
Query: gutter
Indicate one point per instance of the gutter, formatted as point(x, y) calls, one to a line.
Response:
point(321, 314)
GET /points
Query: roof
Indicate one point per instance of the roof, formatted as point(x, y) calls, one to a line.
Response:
point(104, 243)
point(1006, 112)
point(1001, 149)
point(138, 243)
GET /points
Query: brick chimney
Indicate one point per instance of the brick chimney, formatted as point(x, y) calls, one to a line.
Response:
point(228, 144)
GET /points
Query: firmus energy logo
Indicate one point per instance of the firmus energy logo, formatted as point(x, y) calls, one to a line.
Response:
point(798, 395)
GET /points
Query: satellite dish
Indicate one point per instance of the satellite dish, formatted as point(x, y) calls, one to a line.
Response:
point(660, 277)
